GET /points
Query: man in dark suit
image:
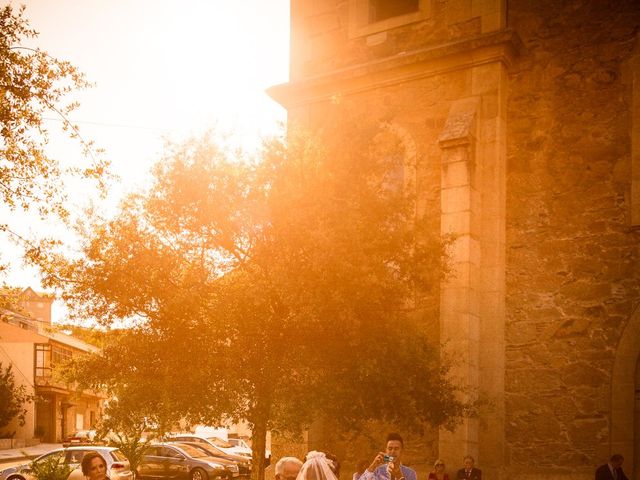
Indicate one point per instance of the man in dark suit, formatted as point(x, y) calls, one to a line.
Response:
point(612, 470)
point(469, 472)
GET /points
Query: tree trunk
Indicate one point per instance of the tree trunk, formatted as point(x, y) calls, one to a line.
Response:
point(259, 446)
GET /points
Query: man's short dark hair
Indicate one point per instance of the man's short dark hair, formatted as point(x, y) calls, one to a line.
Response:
point(617, 458)
point(395, 436)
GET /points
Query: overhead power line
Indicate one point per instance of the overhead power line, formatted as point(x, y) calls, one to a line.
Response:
point(17, 368)
point(111, 125)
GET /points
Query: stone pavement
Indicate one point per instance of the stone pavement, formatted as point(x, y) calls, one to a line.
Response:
point(26, 453)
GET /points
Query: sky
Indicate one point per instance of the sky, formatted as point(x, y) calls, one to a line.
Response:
point(161, 69)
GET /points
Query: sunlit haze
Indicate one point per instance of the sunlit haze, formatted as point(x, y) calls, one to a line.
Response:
point(161, 68)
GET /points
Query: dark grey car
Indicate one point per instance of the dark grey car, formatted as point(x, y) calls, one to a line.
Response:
point(168, 461)
point(244, 462)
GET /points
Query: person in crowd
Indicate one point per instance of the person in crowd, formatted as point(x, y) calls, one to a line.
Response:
point(438, 472)
point(360, 468)
point(94, 466)
point(388, 465)
point(334, 463)
point(317, 467)
point(612, 470)
point(287, 468)
point(469, 472)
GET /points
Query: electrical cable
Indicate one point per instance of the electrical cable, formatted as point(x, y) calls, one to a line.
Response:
point(105, 124)
point(17, 368)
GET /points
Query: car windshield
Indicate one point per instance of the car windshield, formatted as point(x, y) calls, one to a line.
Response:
point(75, 456)
point(192, 451)
point(49, 457)
point(218, 442)
point(207, 449)
point(118, 456)
point(238, 442)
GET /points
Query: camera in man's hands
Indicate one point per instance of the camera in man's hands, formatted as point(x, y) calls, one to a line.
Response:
point(388, 458)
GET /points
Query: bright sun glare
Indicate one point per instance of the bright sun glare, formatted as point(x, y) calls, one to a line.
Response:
point(161, 68)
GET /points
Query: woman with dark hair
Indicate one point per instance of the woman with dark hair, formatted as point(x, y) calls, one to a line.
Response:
point(94, 467)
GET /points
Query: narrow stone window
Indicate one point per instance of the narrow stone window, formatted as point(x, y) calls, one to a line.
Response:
point(383, 9)
point(368, 17)
point(394, 179)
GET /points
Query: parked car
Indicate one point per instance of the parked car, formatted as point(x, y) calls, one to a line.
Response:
point(117, 464)
point(230, 465)
point(230, 448)
point(244, 462)
point(165, 461)
point(242, 446)
point(81, 437)
point(240, 443)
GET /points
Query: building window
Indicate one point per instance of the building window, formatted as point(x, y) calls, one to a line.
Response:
point(47, 356)
point(60, 354)
point(43, 360)
point(394, 179)
point(79, 421)
point(382, 9)
point(369, 17)
point(400, 164)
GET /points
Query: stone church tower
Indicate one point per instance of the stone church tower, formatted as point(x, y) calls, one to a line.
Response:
point(524, 118)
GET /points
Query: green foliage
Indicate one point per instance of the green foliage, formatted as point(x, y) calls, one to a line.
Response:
point(51, 468)
point(33, 84)
point(10, 300)
point(275, 291)
point(91, 335)
point(124, 428)
point(12, 398)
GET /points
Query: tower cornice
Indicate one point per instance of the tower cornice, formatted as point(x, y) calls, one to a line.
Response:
point(503, 46)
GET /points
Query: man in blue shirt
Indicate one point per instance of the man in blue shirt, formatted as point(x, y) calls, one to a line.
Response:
point(388, 464)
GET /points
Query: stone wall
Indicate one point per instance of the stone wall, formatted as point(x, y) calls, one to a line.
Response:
point(322, 39)
point(547, 275)
point(433, 95)
point(573, 265)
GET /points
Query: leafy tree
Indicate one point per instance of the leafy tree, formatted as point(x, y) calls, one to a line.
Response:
point(91, 335)
point(33, 83)
point(12, 398)
point(9, 301)
point(275, 291)
point(51, 468)
point(126, 429)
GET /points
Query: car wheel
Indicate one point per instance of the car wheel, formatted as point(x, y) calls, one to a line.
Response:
point(198, 474)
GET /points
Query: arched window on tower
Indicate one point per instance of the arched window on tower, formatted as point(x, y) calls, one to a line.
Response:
point(394, 179)
point(400, 165)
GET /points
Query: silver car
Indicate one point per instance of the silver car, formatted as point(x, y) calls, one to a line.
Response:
point(117, 464)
